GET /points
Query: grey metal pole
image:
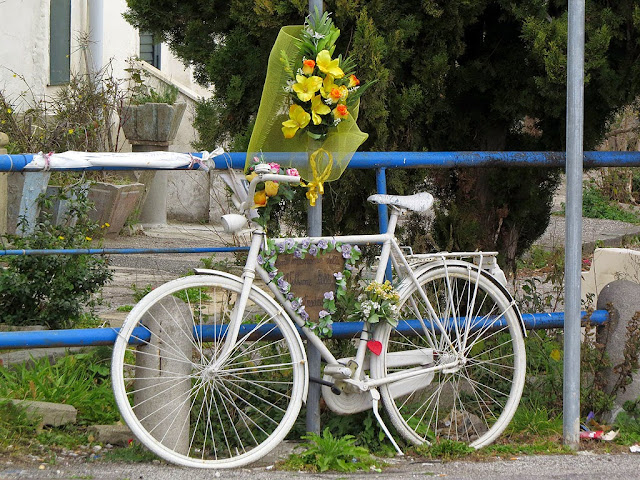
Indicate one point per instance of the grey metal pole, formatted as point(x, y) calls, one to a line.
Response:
point(573, 240)
point(314, 228)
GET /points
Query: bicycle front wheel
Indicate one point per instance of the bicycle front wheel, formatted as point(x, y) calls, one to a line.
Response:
point(466, 321)
point(183, 401)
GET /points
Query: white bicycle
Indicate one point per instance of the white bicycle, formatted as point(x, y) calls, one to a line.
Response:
point(210, 370)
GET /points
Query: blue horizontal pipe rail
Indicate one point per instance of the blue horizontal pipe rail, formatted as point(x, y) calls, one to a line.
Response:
point(107, 336)
point(362, 160)
point(120, 251)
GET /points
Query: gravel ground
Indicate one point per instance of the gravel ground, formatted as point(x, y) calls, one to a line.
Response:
point(583, 465)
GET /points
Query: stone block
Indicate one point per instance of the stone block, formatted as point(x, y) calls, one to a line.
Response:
point(622, 299)
point(50, 414)
point(113, 434)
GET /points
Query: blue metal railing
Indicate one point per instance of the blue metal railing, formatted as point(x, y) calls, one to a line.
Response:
point(368, 160)
point(107, 336)
point(361, 160)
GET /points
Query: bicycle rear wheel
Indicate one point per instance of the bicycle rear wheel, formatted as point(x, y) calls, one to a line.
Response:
point(481, 339)
point(186, 404)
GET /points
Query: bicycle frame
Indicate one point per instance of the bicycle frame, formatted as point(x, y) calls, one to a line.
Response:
point(390, 251)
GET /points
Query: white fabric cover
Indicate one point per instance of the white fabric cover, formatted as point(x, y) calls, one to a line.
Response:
point(137, 160)
point(420, 202)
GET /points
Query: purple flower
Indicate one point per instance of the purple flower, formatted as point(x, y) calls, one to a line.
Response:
point(297, 253)
point(356, 248)
point(305, 243)
point(289, 243)
point(323, 244)
point(338, 276)
point(323, 313)
point(313, 250)
point(304, 315)
point(349, 267)
point(260, 260)
point(346, 250)
point(283, 285)
point(272, 275)
point(328, 295)
point(289, 296)
point(295, 304)
point(281, 248)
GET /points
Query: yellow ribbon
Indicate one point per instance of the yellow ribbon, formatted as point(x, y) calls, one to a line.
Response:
point(316, 186)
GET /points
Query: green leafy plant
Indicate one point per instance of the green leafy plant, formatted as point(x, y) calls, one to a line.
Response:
point(214, 263)
point(363, 426)
point(57, 291)
point(140, 92)
point(80, 380)
point(595, 204)
point(326, 452)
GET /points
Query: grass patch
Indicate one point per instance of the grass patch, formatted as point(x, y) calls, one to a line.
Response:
point(16, 428)
point(445, 450)
point(134, 453)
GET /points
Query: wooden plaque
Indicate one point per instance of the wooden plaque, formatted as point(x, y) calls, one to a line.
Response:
point(310, 277)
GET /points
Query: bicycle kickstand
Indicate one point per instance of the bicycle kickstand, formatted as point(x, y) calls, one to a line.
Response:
point(375, 396)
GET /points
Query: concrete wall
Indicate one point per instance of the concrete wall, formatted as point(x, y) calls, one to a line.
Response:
point(24, 46)
point(24, 69)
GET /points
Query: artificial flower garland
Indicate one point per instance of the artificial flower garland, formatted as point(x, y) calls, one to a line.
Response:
point(350, 253)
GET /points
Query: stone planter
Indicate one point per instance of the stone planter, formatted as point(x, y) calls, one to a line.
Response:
point(152, 127)
point(154, 124)
point(113, 204)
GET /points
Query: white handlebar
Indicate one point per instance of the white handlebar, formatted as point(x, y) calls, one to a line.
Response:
point(266, 177)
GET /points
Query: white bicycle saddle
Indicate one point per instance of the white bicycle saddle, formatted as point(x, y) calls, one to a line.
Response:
point(420, 202)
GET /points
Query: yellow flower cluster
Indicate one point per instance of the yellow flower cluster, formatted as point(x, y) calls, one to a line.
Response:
point(322, 93)
point(383, 291)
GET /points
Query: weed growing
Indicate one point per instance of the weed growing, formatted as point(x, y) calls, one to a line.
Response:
point(325, 452)
point(58, 291)
point(134, 453)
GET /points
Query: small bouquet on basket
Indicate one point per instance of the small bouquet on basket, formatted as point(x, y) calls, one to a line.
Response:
point(378, 302)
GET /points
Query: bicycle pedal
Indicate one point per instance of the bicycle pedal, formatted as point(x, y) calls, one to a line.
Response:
point(338, 371)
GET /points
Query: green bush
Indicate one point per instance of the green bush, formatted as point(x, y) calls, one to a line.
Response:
point(53, 290)
point(596, 205)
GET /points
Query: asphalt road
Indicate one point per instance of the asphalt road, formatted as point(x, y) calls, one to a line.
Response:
point(579, 467)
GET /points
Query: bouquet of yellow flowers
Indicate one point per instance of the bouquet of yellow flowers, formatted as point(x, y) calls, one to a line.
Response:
point(323, 89)
point(308, 110)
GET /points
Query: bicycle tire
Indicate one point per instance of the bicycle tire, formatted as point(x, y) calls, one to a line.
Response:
point(182, 406)
point(475, 401)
